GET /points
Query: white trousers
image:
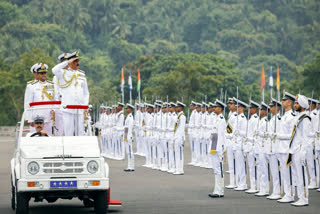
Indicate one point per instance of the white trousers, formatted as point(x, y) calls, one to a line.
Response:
point(73, 124)
point(59, 123)
point(263, 173)
point(274, 169)
point(302, 177)
point(164, 155)
point(217, 166)
point(129, 152)
point(148, 150)
point(240, 170)
point(178, 147)
point(252, 170)
point(286, 176)
point(192, 149)
point(171, 163)
point(312, 166)
point(231, 164)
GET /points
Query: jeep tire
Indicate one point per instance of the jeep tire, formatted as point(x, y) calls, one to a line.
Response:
point(101, 201)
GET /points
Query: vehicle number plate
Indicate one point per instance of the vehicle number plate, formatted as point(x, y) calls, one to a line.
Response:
point(63, 184)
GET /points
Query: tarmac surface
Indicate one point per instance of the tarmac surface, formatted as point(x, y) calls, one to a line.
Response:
point(149, 191)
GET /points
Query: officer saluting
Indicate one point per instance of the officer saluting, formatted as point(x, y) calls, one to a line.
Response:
point(74, 91)
point(41, 90)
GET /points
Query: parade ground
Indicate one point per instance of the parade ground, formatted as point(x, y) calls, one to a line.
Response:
point(148, 191)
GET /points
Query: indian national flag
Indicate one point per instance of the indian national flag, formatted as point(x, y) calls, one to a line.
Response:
point(139, 80)
point(122, 80)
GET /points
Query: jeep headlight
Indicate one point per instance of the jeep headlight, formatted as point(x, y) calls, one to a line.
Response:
point(33, 168)
point(92, 166)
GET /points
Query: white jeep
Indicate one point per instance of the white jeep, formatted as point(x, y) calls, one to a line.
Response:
point(58, 167)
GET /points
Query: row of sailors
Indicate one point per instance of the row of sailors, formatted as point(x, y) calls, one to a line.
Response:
point(159, 132)
point(281, 149)
point(278, 151)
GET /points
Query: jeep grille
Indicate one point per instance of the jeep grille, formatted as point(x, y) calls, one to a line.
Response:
point(63, 167)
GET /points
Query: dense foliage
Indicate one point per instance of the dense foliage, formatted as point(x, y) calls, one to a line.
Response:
point(186, 49)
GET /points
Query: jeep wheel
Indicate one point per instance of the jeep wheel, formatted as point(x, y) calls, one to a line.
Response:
point(101, 201)
point(88, 203)
point(22, 203)
point(13, 196)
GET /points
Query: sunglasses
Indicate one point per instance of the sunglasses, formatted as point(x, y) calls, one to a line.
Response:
point(38, 122)
point(42, 72)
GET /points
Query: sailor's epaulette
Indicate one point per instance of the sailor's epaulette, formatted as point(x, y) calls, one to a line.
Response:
point(293, 114)
point(34, 82)
point(82, 71)
point(31, 81)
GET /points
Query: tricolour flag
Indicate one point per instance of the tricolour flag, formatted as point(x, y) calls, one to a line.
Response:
point(122, 80)
point(139, 81)
point(271, 79)
point(278, 79)
point(263, 82)
point(130, 81)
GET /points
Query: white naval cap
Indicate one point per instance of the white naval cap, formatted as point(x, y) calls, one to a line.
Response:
point(240, 103)
point(204, 104)
point(274, 102)
point(193, 103)
point(32, 69)
point(264, 106)
point(158, 104)
point(302, 100)
point(180, 104)
point(41, 67)
point(313, 101)
point(219, 103)
point(63, 57)
point(129, 106)
point(172, 105)
point(211, 104)
point(120, 104)
point(149, 105)
point(73, 55)
point(288, 96)
point(253, 104)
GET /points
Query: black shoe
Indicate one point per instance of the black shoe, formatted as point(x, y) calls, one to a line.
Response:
point(211, 195)
point(128, 170)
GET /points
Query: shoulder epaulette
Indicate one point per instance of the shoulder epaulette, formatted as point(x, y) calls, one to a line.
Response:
point(50, 82)
point(31, 81)
point(34, 82)
point(82, 71)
